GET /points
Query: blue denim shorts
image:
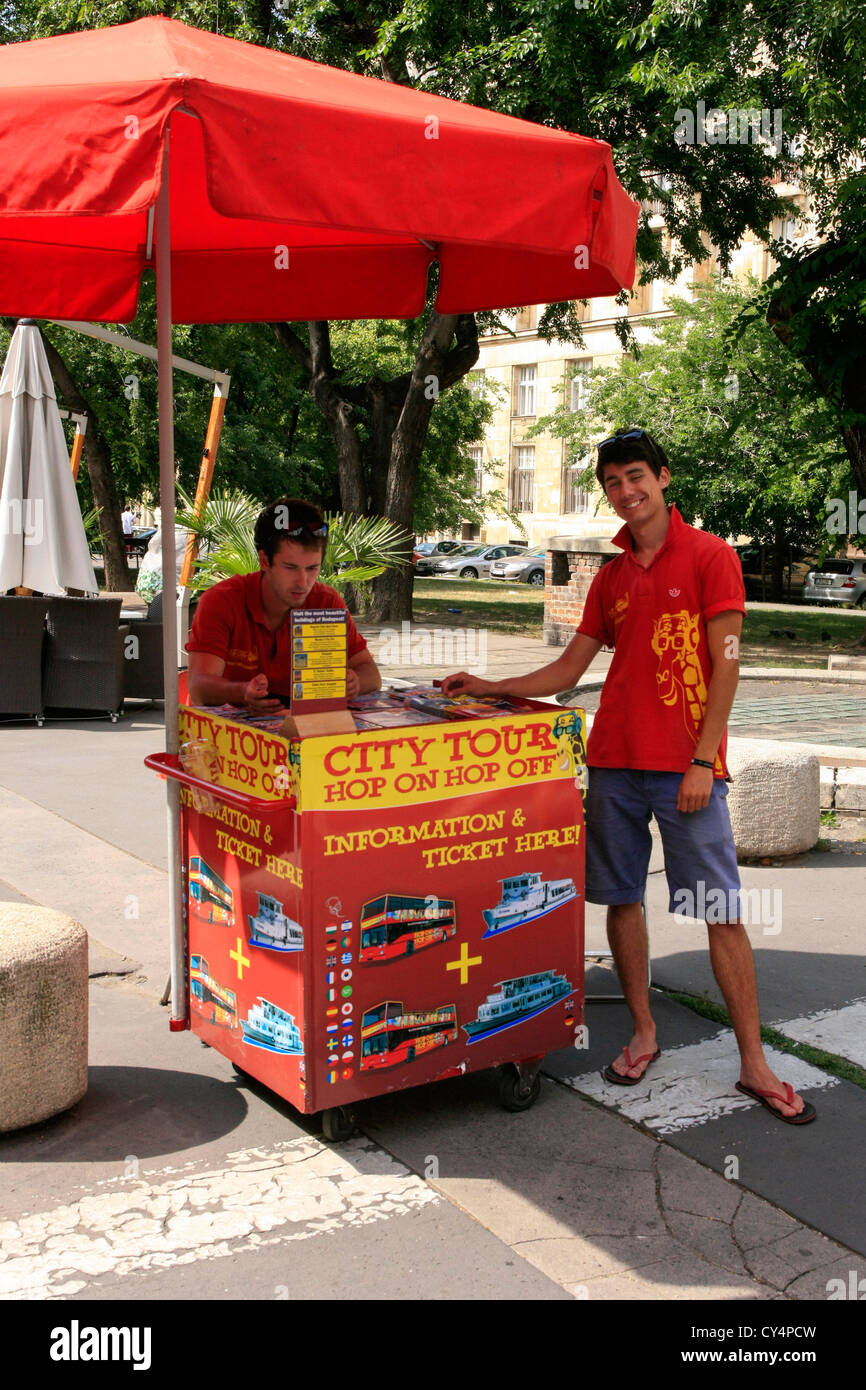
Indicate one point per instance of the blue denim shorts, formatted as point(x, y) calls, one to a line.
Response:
point(700, 860)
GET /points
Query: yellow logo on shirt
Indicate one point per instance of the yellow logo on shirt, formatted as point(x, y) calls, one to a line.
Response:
point(680, 676)
point(617, 611)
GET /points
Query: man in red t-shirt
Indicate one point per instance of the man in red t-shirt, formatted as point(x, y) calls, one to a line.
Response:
point(239, 644)
point(671, 606)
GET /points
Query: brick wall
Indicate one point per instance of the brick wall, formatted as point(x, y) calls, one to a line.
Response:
point(571, 564)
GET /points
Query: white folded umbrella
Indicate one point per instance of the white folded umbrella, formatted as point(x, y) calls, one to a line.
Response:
point(43, 545)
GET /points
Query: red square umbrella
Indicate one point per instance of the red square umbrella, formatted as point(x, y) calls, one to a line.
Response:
point(260, 186)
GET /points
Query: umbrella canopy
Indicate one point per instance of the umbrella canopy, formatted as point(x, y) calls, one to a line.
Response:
point(297, 191)
point(260, 187)
point(42, 541)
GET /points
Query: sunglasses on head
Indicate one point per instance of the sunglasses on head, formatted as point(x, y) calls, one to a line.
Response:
point(620, 438)
point(299, 530)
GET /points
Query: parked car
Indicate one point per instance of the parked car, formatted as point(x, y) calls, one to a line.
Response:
point(428, 548)
point(472, 562)
point(797, 566)
point(837, 581)
point(527, 568)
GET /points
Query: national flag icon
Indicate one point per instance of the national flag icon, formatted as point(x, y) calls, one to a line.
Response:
point(333, 1028)
point(347, 1073)
point(346, 942)
point(330, 977)
point(347, 1056)
point(331, 928)
point(332, 994)
point(331, 1013)
point(330, 962)
point(332, 1059)
point(348, 1039)
point(332, 1043)
point(332, 1076)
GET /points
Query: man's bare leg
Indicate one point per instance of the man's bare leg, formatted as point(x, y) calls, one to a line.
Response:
point(734, 968)
point(627, 934)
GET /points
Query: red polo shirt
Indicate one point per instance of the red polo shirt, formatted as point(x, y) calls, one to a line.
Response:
point(230, 623)
point(655, 693)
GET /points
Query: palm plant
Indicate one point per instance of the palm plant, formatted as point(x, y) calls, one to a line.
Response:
point(359, 547)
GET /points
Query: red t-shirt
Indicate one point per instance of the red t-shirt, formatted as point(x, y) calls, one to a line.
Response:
point(655, 693)
point(230, 623)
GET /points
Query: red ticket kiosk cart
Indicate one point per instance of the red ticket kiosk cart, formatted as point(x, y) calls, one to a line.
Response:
point(370, 911)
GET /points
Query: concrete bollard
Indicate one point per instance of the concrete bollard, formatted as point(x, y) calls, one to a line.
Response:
point(43, 1014)
point(775, 798)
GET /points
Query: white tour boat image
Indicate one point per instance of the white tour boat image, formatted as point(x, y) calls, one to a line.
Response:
point(517, 1000)
point(267, 1026)
point(272, 928)
point(524, 897)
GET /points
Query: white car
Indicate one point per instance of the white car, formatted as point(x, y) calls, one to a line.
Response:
point(472, 562)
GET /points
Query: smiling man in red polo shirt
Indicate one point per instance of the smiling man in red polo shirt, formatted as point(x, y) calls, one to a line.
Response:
point(239, 644)
point(671, 606)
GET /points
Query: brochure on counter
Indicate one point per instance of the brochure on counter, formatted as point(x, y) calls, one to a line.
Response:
point(390, 709)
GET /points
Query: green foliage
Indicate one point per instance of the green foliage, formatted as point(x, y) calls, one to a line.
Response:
point(358, 549)
point(617, 70)
point(754, 449)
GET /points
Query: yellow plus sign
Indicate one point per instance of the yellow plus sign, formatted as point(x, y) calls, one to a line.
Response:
point(239, 956)
point(463, 963)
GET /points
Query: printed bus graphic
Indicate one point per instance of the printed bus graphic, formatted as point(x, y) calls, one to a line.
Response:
point(395, 925)
point(208, 997)
point(210, 900)
point(389, 1035)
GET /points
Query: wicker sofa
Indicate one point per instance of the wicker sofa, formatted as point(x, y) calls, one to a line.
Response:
point(22, 641)
point(83, 667)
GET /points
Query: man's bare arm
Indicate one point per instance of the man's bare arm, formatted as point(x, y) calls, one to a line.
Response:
point(208, 686)
point(723, 638)
point(560, 675)
point(362, 675)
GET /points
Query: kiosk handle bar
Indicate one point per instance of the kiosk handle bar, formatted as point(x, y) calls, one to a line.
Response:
point(169, 765)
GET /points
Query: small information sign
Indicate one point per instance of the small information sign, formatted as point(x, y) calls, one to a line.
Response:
point(319, 654)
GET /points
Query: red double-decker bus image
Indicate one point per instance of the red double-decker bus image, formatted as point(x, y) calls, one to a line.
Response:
point(389, 1035)
point(210, 900)
point(396, 925)
point(210, 999)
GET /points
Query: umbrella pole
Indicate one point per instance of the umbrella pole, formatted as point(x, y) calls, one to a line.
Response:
point(179, 1016)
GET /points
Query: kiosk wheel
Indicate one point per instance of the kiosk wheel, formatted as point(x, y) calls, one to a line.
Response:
point(519, 1086)
point(338, 1124)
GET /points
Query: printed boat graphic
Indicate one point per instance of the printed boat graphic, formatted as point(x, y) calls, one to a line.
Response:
point(517, 1000)
point(272, 929)
point(525, 897)
point(271, 1028)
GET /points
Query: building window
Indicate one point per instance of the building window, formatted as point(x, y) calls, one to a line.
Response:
point(574, 499)
point(526, 319)
point(523, 478)
point(639, 302)
point(475, 455)
point(578, 382)
point(475, 383)
point(525, 386)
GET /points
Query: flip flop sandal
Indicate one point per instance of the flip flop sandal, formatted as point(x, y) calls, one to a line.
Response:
point(649, 1057)
point(807, 1114)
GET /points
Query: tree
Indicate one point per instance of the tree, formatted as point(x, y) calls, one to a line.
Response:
point(813, 58)
point(624, 71)
point(754, 447)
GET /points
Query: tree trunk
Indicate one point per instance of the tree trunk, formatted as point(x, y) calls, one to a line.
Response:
point(437, 366)
point(378, 476)
point(97, 457)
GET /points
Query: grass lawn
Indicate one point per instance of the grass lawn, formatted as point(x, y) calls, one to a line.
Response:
point(792, 637)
